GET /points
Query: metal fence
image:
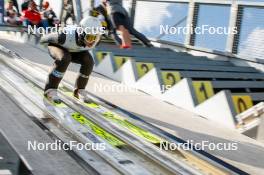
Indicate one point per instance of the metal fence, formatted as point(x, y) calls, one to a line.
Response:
point(159, 20)
point(241, 23)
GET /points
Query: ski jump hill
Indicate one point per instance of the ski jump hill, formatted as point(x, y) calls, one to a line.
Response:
point(171, 96)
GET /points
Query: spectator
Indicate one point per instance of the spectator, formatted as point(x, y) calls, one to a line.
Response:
point(101, 13)
point(24, 5)
point(11, 14)
point(121, 22)
point(32, 16)
point(49, 14)
point(16, 6)
point(67, 12)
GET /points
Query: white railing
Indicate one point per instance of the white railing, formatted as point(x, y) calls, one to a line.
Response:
point(250, 118)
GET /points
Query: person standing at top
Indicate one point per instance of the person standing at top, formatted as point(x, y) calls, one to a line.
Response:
point(11, 14)
point(49, 14)
point(122, 23)
point(101, 13)
point(67, 12)
point(24, 5)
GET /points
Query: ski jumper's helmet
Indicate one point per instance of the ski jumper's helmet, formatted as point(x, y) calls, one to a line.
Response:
point(91, 30)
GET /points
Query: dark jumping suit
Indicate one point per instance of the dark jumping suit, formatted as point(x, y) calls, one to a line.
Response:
point(66, 48)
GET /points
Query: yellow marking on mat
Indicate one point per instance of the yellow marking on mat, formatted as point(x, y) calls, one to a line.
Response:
point(143, 68)
point(203, 90)
point(122, 121)
point(242, 102)
point(92, 105)
point(170, 77)
point(133, 128)
point(60, 105)
point(120, 60)
point(111, 139)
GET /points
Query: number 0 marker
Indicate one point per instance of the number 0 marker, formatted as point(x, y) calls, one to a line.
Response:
point(242, 102)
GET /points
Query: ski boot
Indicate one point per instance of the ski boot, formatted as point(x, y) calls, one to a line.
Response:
point(52, 96)
point(82, 95)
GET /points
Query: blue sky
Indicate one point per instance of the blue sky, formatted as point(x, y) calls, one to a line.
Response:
point(215, 16)
point(252, 34)
point(148, 21)
point(149, 15)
